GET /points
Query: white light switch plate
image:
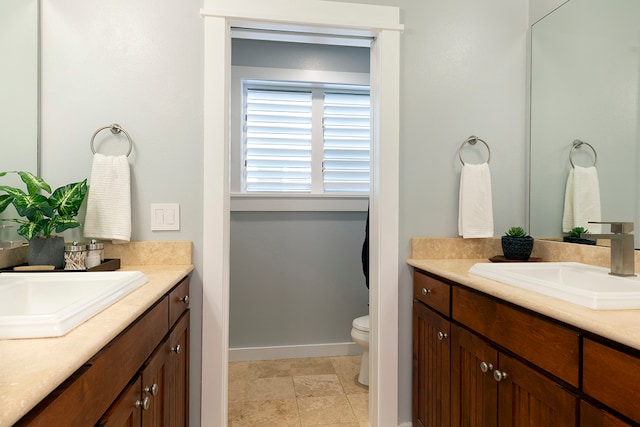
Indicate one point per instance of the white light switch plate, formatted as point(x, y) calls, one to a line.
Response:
point(165, 216)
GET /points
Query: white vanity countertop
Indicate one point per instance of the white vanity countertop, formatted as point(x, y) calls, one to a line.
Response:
point(31, 368)
point(622, 326)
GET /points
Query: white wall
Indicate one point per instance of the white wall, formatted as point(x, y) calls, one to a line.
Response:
point(140, 64)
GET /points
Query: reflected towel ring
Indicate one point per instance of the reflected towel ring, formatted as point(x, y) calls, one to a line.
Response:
point(115, 129)
point(473, 140)
point(577, 144)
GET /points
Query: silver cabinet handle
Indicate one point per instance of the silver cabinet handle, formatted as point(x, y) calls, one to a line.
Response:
point(176, 349)
point(499, 375)
point(441, 335)
point(185, 299)
point(144, 403)
point(153, 390)
point(486, 367)
point(426, 291)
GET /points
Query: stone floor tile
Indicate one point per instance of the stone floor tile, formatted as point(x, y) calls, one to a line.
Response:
point(267, 413)
point(312, 366)
point(317, 385)
point(316, 411)
point(269, 389)
point(360, 405)
point(270, 368)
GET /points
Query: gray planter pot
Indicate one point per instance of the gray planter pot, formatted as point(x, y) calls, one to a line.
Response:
point(517, 248)
point(46, 251)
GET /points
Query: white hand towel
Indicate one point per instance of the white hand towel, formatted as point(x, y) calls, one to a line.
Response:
point(109, 200)
point(475, 211)
point(582, 200)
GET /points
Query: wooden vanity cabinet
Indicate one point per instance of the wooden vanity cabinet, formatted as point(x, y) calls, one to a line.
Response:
point(144, 401)
point(431, 367)
point(492, 387)
point(431, 352)
point(178, 371)
point(497, 376)
point(138, 379)
point(475, 399)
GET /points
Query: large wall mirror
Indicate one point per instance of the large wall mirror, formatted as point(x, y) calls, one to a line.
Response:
point(19, 89)
point(585, 73)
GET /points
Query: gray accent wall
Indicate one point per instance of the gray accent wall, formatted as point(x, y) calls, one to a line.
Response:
point(296, 277)
point(299, 56)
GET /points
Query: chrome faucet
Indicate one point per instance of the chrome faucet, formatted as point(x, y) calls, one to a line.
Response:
point(622, 247)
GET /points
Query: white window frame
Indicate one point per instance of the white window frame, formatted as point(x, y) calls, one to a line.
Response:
point(315, 201)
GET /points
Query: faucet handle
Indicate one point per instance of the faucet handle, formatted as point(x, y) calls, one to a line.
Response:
point(617, 227)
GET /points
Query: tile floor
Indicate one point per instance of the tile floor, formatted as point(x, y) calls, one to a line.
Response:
point(320, 392)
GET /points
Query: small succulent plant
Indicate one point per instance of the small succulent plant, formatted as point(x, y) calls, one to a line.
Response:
point(577, 231)
point(516, 232)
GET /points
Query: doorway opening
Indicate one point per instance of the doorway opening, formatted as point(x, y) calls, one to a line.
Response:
point(320, 17)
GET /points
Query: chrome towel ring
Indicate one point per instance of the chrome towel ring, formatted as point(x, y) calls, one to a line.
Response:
point(115, 129)
point(473, 140)
point(577, 144)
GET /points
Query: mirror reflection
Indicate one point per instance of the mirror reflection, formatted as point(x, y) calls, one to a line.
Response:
point(19, 90)
point(585, 69)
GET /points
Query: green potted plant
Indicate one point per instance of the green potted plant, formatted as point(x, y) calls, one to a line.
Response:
point(43, 216)
point(574, 236)
point(517, 244)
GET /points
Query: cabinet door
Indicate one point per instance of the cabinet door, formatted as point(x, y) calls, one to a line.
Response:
point(527, 398)
point(474, 391)
point(590, 416)
point(154, 386)
point(178, 393)
point(431, 368)
point(126, 410)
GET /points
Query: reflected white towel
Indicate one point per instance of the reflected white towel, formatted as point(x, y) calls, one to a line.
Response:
point(475, 211)
point(109, 200)
point(582, 200)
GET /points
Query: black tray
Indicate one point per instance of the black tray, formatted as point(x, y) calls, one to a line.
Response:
point(106, 265)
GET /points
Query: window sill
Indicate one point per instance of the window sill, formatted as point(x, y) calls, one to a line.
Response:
point(243, 202)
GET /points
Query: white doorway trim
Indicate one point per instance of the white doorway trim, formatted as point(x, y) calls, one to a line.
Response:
point(320, 17)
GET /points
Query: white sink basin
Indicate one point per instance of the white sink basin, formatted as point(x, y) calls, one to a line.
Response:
point(586, 285)
point(38, 305)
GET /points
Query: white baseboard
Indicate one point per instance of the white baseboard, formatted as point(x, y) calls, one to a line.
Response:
point(293, 351)
point(407, 424)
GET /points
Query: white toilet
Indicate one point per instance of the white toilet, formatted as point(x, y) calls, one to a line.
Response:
point(360, 335)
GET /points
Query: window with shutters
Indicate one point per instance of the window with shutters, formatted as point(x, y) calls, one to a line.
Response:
point(302, 138)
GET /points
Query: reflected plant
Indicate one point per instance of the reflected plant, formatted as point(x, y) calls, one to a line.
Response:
point(42, 216)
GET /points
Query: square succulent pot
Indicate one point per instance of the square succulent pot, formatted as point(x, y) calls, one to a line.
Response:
point(46, 251)
point(517, 248)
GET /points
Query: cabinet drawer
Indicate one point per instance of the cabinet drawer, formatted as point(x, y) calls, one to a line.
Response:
point(612, 377)
point(432, 292)
point(550, 346)
point(178, 301)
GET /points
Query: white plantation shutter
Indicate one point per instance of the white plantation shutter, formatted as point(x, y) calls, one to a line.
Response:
point(278, 141)
point(347, 140)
